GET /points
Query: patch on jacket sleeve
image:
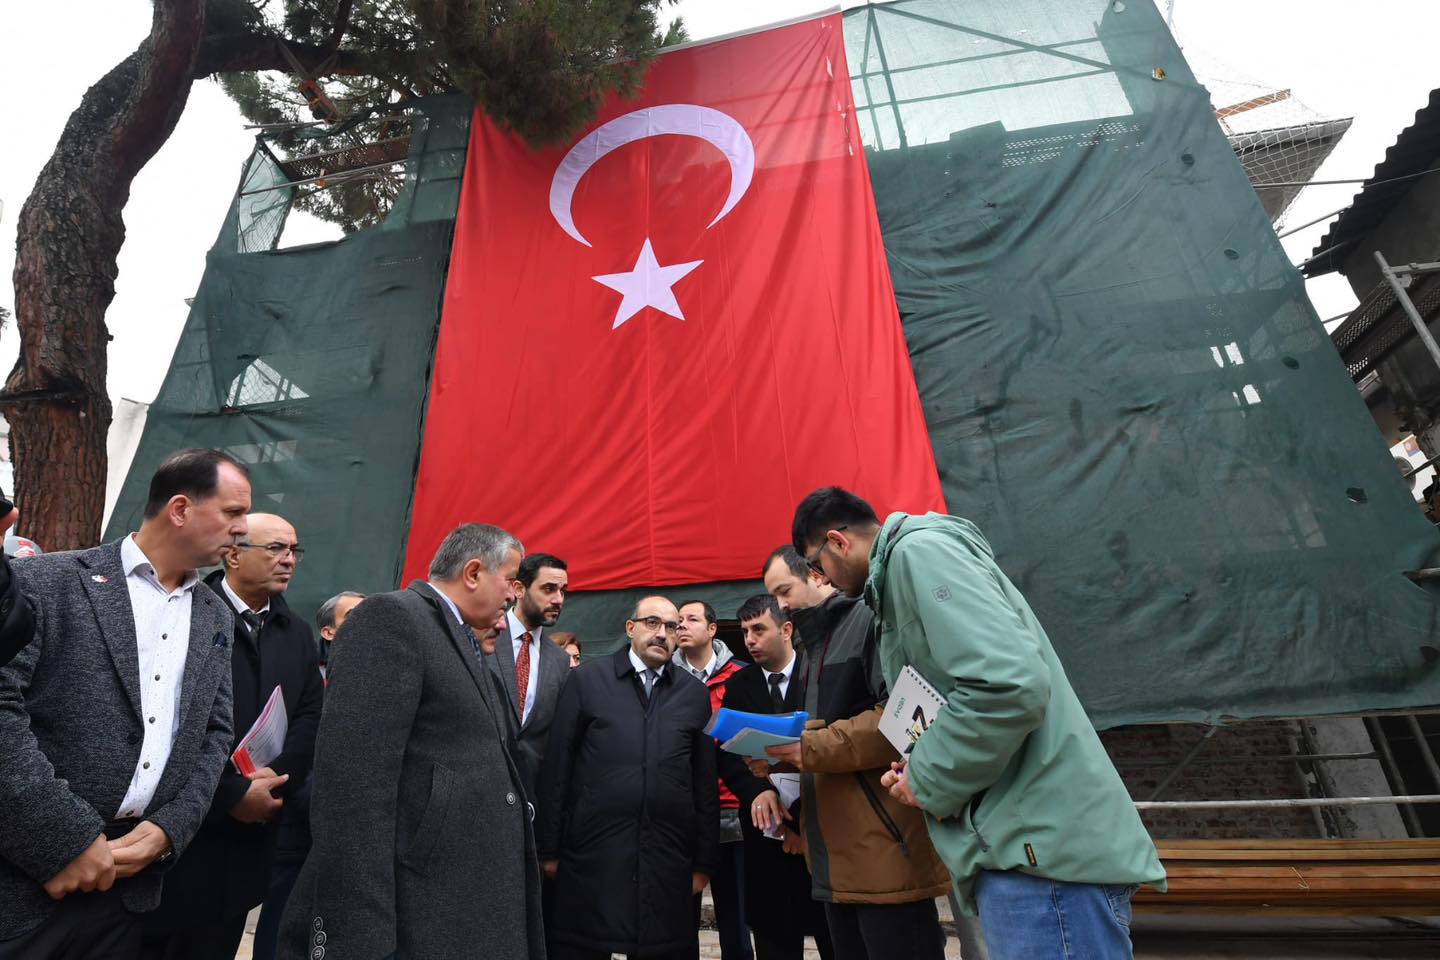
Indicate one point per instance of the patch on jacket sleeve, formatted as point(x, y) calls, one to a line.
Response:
point(942, 593)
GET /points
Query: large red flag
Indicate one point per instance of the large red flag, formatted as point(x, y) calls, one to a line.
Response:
point(657, 339)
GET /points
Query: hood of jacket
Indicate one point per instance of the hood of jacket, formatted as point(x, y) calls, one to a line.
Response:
point(722, 656)
point(897, 527)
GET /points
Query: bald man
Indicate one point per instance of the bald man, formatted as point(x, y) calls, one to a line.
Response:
point(629, 818)
point(225, 871)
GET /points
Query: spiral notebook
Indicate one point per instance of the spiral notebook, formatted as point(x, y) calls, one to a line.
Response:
point(913, 706)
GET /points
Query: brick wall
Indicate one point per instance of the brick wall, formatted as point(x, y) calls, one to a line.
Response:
point(1238, 763)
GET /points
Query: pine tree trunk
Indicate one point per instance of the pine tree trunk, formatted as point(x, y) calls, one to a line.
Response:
point(69, 235)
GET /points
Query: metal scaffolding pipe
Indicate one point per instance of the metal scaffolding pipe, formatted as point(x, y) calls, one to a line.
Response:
point(1392, 773)
point(1426, 754)
point(1405, 303)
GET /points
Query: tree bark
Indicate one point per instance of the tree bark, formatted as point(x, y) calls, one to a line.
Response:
point(69, 235)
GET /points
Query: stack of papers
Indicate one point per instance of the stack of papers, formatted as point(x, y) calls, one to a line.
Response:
point(266, 738)
point(788, 785)
point(748, 734)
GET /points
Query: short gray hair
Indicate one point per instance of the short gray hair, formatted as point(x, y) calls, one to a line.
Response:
point(325, 616)
point(473, 541)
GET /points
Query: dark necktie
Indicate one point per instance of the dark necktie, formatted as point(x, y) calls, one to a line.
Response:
point(776, 697)
point(522, 672)
point(253, 622)
point(474, 641)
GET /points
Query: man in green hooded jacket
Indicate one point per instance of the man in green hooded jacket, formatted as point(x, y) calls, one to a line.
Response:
point(1021, 801)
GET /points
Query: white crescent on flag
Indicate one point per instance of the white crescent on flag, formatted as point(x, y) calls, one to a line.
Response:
point(679, 119)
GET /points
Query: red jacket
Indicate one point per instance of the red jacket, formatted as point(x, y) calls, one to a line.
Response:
point(728, 667)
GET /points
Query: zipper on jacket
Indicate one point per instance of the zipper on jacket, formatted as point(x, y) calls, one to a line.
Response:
point(880, 811)
point(975, 806)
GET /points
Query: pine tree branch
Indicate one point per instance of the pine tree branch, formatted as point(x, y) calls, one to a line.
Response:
point(342, 23)
point(250, 52)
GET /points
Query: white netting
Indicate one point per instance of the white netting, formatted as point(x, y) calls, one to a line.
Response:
point(1277, 137)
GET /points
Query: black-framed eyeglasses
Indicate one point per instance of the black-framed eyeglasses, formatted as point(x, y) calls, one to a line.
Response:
point(276, 550)
point(655, 623)
point(813, 561)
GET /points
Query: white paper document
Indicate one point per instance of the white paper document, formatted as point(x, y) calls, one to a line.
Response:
point(265, 739)
point(788, 785)
point(913, 706)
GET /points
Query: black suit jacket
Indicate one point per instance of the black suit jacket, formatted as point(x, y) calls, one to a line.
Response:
point(422, 840)
point(226, 870)
point(17, 623)
point(529, 738)
point(777, 884)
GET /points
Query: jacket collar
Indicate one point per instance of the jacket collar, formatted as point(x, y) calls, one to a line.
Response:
point(890, 534)
point(278, 607)
point(818, 621)
point(620, 660)
point(720, 655)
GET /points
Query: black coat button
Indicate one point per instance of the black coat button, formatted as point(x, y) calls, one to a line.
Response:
point(133, 738)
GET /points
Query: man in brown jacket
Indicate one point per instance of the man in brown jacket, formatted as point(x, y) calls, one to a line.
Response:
point(870, 857)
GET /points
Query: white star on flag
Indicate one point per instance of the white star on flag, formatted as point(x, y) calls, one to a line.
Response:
point(648, 285)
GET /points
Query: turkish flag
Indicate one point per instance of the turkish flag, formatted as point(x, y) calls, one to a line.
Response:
point(658, 338)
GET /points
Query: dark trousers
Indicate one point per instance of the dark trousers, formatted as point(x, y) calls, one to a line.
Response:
point(83, 926)
point(267, 929)
point(886, 931)
point(727, 890)
point(217, 941)
point(790, 944)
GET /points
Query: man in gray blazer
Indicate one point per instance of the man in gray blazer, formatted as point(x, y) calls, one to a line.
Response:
point(115, 721)
point(422, 843)
point(532, 668)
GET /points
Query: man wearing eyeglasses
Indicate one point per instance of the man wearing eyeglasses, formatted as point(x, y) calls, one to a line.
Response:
point(225, 872)
point(629, 817)
point(1021, 800)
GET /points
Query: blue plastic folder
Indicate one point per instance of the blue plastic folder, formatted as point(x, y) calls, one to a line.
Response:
point(727, 723)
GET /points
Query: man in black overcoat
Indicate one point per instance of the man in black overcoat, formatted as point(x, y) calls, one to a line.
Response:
point(225, 872)
point(778, 906)
point(629, 818)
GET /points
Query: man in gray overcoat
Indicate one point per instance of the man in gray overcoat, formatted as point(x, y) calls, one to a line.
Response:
point(422, 844)
point(115, 720)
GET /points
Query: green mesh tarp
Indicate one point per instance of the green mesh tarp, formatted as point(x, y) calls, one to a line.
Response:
point(311, 365)
point(1125, 385)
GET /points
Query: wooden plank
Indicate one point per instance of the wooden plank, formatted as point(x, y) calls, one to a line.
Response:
point(1386, 853)
point(1262, 842)
point(1309, 870)
point(1258, 844)
point(1376, 909)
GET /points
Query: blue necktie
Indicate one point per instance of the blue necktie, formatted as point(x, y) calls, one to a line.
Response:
point(474, 642)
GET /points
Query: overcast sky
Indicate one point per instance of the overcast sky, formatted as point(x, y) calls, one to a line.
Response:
point(1373, 61)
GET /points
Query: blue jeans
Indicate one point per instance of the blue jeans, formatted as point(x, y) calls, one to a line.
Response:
point(1031, 918)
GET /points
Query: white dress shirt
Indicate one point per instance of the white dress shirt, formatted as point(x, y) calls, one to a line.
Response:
point(705, 674)
point(519, 635)
point(239, 605)
point(162, 639)
point(784, 684)
point(449, 603)
point(641, 667)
